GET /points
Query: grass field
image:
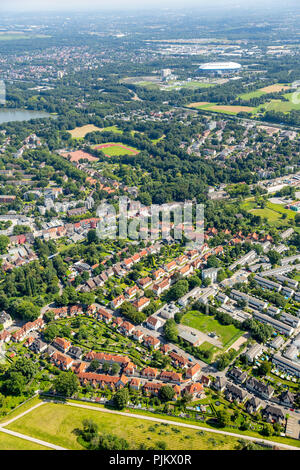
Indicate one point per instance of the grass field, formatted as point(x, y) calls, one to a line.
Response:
point(272, 212)
point(283, 106)
point(81, 132)
point(61, 421)
point(8, 442)
point(263, 91)
point(215, 107)
point(112, 149)
point(18, 36)
point(208, 324)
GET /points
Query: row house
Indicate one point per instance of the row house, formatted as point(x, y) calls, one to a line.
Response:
point(195, 389)
point(145, 282)
point(186, 270)
point(102, 380)
point(104, 315)
point(178, 360)
point(162, 286)
point(273, 414)
point(170, 376)
point(109, 358)
point(21, 334)
point(141, 303)
point(234, 393)
point(135, 383)
point(169, 267)
point(75, 310)
point(153, 323)
point(62, 344)
point(130, 369)
point(5, 336)
point(158, 274)
point(126, 328)
point(131, 292)
point(153, 388)
point(136, 257)
point(238, 375)
point(253, 405)
point(151, 342)
point(117, 302)
point(254, 385)
point(182, 260)
point(138, 335)
point(149, 372)
point(61, 361)
point(127, 263)
point(193, 371)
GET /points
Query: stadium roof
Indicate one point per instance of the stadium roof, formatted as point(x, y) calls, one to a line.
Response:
point(220, 66)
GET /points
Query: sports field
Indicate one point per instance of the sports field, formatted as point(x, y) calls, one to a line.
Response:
point(112, 149)
point(227, 334)
point(56, 423)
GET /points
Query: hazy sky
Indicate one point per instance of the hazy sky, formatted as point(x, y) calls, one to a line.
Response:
point(23, 5)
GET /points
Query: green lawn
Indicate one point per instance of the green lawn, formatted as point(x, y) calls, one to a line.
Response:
point(272, 212)
point(283, 106)
point(251, 94)
point(62, 420)
point(227, 334)
point(8, 442)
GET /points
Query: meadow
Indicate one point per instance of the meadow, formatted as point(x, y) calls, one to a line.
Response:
point(8, 442)
point(62, 421)
point(208, 324)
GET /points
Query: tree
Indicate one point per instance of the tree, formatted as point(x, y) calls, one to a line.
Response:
point(115, 369)
point(92, 236)
point(171, 330)
point(267, 430)
point(15, 384)
point(66, 384)
point(50, 332)
point(26, 367)
point(121, 398)
point(4, 242)
point(223, 418)
point(264, 368)
point(178, 290)
point(27, 310)
point(49, 316)
point(166, 393)
point(274, 257)
point(94, 365)
point(105, 367)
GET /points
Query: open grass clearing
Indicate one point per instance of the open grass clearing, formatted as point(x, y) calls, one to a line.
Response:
point(227, 334)
point(8, 442)
point(62, 420)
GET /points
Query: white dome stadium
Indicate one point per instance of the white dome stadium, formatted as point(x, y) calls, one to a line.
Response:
point(220, 66)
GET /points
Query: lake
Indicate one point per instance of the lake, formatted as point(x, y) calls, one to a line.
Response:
point(10, 115)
